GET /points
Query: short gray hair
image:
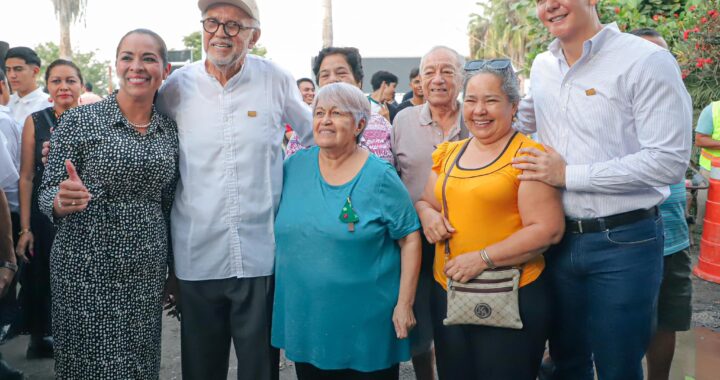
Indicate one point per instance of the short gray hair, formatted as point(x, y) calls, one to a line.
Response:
point(347, 98)
point(510, 84)
point(459, 59)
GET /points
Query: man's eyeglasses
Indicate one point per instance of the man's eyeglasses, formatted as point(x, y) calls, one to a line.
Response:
point(231, 28)
point(495, 64)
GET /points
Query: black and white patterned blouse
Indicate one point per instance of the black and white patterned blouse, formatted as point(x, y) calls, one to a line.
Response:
point(109, 262)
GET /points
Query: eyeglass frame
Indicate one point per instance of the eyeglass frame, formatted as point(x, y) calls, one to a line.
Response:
point(495, 64)
point(224, 25)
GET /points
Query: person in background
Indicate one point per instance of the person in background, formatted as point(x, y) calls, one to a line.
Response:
point(417, 131)
point(88, 96)
point(37, 232)
point(307, 89)
point(109, 187)
point(344, 64)
point(675, 299)
point(613, 160)
point(10, 129)
point(348, 251)
point(417, 94)
point(383, 95)
point(22, 67)
point(8, 263)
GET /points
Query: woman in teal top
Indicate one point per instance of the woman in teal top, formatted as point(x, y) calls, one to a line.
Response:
point(348, 251)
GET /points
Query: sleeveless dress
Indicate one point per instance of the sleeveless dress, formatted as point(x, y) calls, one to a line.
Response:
point(109, 262)
point(35, 291)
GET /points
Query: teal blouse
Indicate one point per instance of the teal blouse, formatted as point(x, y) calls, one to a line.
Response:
point(335, 290)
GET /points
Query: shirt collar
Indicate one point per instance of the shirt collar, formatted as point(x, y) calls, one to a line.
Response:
point(34, 95)
point(591, 46)
point(425, 119)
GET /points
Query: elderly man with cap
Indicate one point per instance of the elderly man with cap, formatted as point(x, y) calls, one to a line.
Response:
point(231, 110)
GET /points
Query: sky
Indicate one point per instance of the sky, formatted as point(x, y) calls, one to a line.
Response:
point(291, 29)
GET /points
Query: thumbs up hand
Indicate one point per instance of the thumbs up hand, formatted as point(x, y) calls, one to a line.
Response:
point(73, 196)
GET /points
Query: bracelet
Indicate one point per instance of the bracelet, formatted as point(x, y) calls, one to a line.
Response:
point(24, 231)
point(6, 264)
point(486, 259)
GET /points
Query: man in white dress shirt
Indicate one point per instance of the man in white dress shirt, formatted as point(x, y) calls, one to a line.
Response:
point(231, 110)
point(23, 67)
point(616, 118)
point(11, 130)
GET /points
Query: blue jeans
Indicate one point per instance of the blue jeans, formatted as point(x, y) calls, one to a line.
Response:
point(605, 286)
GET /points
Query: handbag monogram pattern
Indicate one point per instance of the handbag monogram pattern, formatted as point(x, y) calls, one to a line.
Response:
point(491, 298)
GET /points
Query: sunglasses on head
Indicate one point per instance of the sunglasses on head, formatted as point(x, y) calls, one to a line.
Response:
point(495, 64)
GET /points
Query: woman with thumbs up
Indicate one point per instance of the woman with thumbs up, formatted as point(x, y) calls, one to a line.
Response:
point(109, 186)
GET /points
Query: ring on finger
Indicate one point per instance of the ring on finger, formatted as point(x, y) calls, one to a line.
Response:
point(73, 203)
point(60, 205)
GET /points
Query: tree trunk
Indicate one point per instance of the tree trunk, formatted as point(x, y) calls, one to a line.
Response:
point(327, 33)
point(65, 20)
point(65, 47)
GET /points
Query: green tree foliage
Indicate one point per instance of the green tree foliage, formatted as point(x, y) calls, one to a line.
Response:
point(93, 70)
point(259, 50)
point(691, 28)
point(193, 41)
point(506, 28)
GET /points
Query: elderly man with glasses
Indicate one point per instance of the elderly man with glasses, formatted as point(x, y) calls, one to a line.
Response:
point(231, 110)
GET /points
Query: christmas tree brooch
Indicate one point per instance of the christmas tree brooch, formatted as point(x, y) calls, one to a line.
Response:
point(349, 216)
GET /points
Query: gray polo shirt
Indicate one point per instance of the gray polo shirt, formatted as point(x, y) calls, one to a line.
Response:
point(414, 138)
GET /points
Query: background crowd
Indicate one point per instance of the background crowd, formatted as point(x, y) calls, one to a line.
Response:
point(339, 226)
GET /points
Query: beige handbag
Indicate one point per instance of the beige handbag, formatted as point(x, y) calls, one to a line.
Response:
point(490, 299)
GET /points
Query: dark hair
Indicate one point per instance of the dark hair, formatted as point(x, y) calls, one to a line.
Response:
point(25, 53)
point(305, 80)
point(645, 32)
point(352, 56)
point(88, 86)
point(62, 62)
point(163, 48)
point(382, 76)
point(414, 72)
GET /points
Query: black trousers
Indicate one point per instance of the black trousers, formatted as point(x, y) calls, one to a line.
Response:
point(306, 371)
point(471, 352)
point(216, 311)
point(35, 299)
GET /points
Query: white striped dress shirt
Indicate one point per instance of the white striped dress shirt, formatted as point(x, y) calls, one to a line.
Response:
point(620, 117)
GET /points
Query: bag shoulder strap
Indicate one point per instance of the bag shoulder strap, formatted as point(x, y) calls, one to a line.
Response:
point(444, 196)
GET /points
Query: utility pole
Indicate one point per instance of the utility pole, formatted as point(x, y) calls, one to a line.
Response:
point(327, 34)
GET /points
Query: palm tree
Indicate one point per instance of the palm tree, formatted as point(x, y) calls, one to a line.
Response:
point(327, 33)
point(67, 12)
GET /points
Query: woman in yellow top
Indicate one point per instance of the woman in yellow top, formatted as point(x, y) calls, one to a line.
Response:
point(490, 209)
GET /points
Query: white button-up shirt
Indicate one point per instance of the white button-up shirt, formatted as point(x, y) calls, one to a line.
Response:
point(10, 130)
point(231, 162)
point(620, 117)
point(8, 172)
point(21, 108)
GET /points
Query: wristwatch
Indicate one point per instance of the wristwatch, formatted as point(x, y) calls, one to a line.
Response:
point(6, 264)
